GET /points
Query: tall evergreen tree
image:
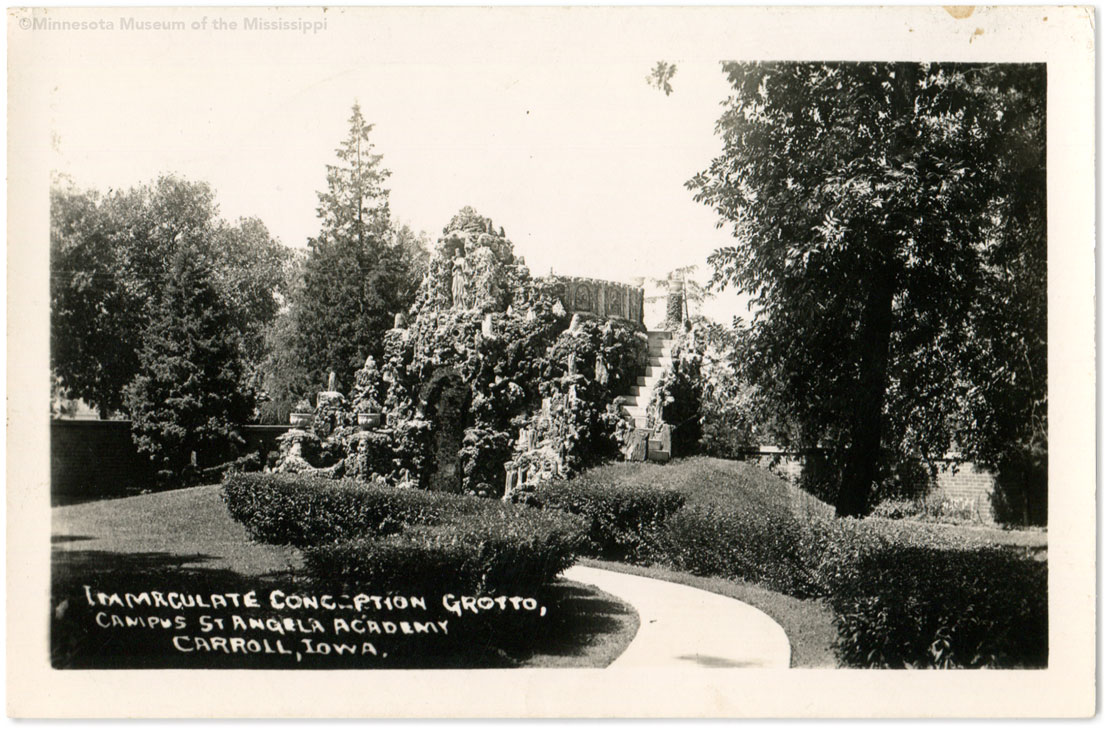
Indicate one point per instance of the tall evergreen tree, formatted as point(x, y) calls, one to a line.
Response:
point(187, 396)
point(357, 274)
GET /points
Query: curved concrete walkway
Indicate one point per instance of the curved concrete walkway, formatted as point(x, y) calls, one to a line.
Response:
point(684, 626)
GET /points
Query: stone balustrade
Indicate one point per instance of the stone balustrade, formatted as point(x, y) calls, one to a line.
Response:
point(601, 298)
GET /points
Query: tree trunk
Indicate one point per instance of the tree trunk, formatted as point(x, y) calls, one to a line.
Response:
point(861, 460)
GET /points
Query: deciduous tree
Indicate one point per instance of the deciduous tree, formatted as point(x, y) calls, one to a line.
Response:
point(871, 203)
point(109, 266)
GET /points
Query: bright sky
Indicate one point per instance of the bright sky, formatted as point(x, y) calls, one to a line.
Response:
point(552, 135)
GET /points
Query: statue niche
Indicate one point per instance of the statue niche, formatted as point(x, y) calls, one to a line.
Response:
point(461, 281)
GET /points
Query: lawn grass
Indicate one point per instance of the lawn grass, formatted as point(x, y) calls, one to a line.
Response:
point(189, 527)
point(808, 623)
point(185, 540)
point(709, 482)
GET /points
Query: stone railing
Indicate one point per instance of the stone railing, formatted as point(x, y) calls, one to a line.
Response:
point(602, 298)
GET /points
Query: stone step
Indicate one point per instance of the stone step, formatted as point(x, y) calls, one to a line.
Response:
point(659, 456)
point(637, 411)
point(648, 381)
point(641, 422)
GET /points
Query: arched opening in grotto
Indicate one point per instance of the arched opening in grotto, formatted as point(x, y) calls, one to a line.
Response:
point(445, 399)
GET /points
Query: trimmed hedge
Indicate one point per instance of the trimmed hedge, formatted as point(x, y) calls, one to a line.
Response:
point(287, 509)
point(358, 535)
point(910, 606)
point(619, 516)
point(761, 547)
point(506, 549)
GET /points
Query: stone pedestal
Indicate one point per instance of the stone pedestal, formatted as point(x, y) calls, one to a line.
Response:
point(636, 447)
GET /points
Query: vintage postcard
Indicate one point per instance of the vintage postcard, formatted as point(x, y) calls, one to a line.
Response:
point(556, 362)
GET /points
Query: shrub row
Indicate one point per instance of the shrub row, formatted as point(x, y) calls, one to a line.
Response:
point(759, 547)
point(904, 595)
point(911, 606)
point(287, 509)
point(356, 535)
point(506, 549)
point(619, 518)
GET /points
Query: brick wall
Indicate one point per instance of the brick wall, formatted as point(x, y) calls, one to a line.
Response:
point(962, 480)
point(955, 479)
point(91, 458)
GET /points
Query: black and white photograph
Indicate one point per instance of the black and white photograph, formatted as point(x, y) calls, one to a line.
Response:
point(551, 362)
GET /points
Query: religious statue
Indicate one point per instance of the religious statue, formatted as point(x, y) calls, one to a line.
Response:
point(488, 327)
point(602, 374)
point(332, 382)
point(460, 281)
point(571, 363)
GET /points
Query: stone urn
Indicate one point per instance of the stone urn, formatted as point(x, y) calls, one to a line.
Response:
point(369, 420)
point(300, 419)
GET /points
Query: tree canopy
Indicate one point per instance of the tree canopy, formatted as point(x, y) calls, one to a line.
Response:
point(187, 397)
point(110, 264)
point(359, 272)
point(882, 212)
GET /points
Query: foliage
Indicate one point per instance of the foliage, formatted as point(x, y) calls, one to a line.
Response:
point(371, 535)
point(677, 396)
point(935, 508)
point(498, 550)
point(298, 510)
point(357, 275)
point(1020, 489)
point(685, 296)
point(110, 259)
point(619, 515)
point(187, 397)
point(746, 545)
point(878, 213)
point(284, 380)
point(661, 75)
point(910, 607)
point(941, 594)
point(704, 397)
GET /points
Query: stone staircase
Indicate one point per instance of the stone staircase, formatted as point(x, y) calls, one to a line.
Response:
point(660, 344)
